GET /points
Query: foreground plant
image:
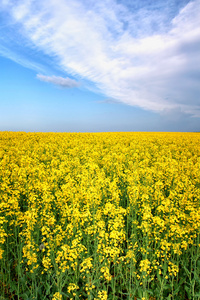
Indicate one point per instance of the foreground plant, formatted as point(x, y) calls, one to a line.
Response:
point(99, 216)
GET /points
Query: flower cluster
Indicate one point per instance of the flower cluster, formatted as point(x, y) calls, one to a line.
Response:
point(87, 213)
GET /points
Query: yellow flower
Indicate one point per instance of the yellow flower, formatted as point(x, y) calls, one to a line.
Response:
point(144, 265)
point(1, 253)
point(57, 296)
point(72, 287)
point(102, 295)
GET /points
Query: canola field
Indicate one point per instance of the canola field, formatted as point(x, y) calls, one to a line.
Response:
point(99, 216)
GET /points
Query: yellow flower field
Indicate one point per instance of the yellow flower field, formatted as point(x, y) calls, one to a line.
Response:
point(99, 216)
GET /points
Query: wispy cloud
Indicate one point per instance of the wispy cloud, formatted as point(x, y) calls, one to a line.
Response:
point(60, 81)
point(127, 54)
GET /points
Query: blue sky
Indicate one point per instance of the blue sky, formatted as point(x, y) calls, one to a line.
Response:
point(112, 65)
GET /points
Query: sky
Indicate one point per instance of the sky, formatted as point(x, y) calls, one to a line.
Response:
point(99, 65)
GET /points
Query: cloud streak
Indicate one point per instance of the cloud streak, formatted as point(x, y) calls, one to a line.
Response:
point(123, 53)
point(60, 81)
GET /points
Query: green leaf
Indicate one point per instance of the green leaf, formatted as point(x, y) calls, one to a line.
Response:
point(197, 294)
point(24, 296)
point(48, 288)
point(13, 287)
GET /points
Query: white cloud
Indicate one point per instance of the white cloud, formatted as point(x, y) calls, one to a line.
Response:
point(156, 71)
point(60, 81)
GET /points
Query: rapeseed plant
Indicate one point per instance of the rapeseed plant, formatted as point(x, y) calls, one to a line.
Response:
point(99, 216)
